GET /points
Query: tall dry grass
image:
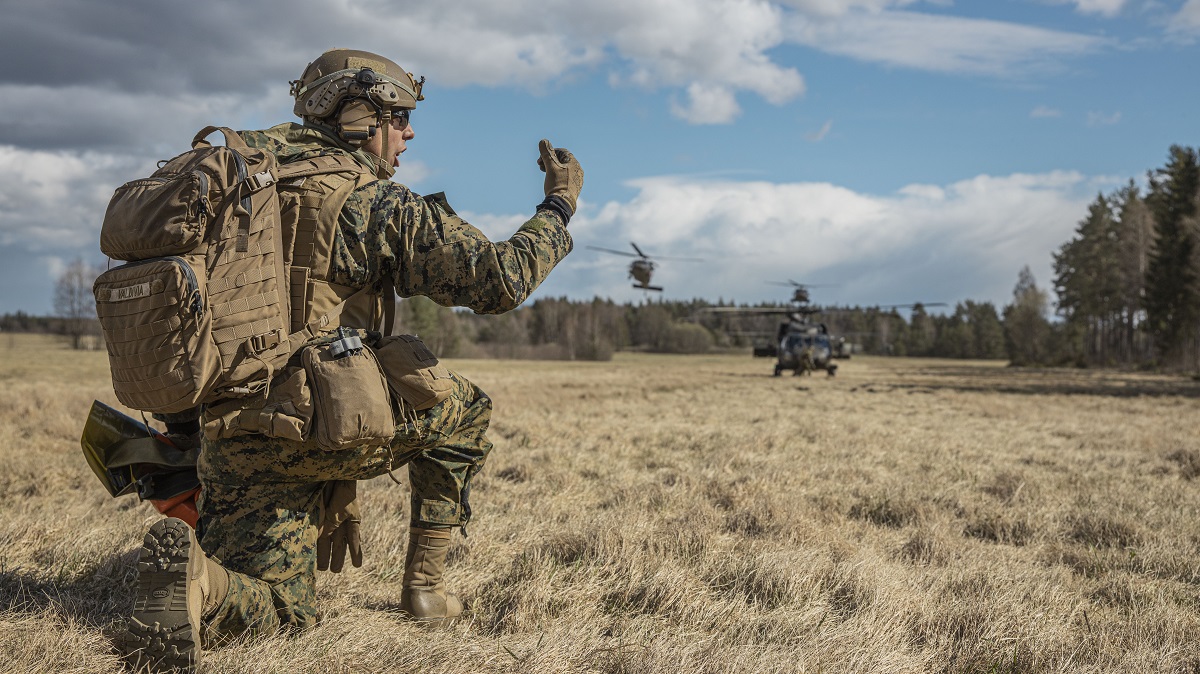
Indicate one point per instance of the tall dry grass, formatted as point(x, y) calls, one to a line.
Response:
point(694, 514)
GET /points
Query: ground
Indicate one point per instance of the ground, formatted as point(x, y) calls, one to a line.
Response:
point(696, 514)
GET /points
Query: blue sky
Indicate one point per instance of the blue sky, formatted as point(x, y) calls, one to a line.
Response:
point(899, 150)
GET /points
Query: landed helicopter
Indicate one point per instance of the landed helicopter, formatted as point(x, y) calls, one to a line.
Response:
point(801, 345)
point(642, 268)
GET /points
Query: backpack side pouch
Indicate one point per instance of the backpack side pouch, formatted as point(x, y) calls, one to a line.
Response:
point(413, 373)
point(350, 398)
point(157, 329)
point(165, 214)
point(285, 412)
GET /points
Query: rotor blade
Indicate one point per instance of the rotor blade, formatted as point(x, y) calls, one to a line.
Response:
point(614, 252)
point(793, 284)
point(678, 259)
point(639, 250)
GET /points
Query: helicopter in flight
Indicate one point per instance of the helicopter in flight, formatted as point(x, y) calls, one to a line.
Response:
point(800, 344)
point(642, 268)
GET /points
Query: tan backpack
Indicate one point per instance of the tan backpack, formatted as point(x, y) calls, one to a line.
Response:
point(203, 309)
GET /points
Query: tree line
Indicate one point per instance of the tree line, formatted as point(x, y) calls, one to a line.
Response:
point(562, 328)
point(1127, 281)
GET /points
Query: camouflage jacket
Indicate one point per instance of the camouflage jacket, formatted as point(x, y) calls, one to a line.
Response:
point(386, 231)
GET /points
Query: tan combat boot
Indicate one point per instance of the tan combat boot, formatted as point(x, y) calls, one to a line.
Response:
point(177, 585)
point(424, 596)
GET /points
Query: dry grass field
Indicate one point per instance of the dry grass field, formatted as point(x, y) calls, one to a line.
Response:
point(694, 514)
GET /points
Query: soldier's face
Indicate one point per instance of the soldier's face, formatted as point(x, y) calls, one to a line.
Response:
point(398, 137)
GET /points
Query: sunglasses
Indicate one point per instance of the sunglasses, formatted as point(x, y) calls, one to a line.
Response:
point(400, 118)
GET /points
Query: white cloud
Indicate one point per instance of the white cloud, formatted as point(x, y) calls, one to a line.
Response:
point(707, 104)
point(1042, 111)
point(1105, 8)
point(1098, 119)
point(941, 43)
point(1187, 20)
point(55, 266)
point(526, 44)
point(55, 201)
point(534, 44)
point(728, 46)
point(819, 135)
point(681, 42)
point(117, 121)
point(835, 8)
point(411, 172)
point(931, 242)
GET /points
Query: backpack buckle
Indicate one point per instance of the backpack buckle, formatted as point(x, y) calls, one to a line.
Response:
point(260, 180)
point(267, 340)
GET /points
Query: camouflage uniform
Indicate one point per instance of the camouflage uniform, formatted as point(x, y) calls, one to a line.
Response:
point(260, 508)
point(805, 363)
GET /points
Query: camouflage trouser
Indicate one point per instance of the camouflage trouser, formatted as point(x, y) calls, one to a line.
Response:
point(260, 506)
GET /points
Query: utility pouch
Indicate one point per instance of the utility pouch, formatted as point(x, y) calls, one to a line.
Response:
point(350, 395)
point(153, 217)
point(413, 373)
point(158, 332)
point(285, 411)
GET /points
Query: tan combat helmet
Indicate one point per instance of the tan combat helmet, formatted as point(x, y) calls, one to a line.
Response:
point(354, 93)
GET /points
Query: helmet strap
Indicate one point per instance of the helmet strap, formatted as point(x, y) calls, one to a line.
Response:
point(384, 169)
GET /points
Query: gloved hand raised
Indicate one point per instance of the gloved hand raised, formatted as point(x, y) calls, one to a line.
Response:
point(339, 527)
point(564, 175)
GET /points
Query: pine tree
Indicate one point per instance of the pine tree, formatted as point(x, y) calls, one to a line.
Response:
point(1172, 295)
point(1026, 330)
point(1135, 228)
point(922, 333)
point(1088, 281)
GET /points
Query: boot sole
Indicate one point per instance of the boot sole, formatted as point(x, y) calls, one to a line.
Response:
point(162, 636)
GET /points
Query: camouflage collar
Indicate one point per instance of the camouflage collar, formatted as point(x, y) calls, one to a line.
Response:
point(305, 139)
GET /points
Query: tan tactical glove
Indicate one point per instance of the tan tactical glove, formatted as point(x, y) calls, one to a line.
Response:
point(564, 175)
point(339, 527)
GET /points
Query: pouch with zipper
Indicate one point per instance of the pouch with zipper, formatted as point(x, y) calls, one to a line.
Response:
point(350, 396)
point(158, 333)
point(157, 216)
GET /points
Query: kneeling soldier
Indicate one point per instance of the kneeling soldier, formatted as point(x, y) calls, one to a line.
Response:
point(276, 505)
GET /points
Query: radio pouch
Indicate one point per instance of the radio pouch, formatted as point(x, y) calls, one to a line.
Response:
point(350, 395)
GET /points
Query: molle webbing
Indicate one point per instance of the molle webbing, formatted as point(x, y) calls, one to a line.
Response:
point(317, 204)
point(320, 203)
point(145, 330)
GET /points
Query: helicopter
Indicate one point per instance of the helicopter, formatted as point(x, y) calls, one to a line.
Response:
point(642, 268)
point(800, 344)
